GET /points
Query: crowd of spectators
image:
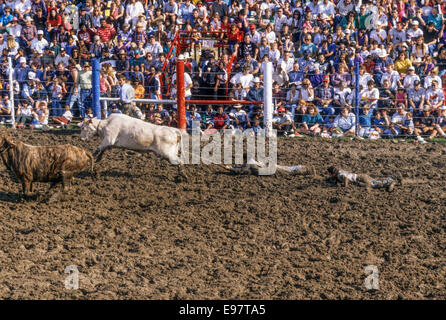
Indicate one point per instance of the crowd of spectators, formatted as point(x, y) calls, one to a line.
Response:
point(314, 47)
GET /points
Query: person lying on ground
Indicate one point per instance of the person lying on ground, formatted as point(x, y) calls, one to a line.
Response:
point(252, 166)
point(362, 179)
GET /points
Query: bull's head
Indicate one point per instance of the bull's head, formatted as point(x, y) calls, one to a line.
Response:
point(89, 129)
point(6, 142)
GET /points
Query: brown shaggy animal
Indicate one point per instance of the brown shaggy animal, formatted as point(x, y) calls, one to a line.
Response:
point(56, 164)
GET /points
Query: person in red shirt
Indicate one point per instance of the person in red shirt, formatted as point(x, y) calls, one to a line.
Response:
point(220, 120)
point(235, 36)
point(225, 26)
point(369, 64)
point(54, 21)
point(106, 31)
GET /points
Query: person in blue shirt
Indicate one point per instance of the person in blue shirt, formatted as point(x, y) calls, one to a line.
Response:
point(307, 46)
point(381, 121)
point(256, 127)
point(192, 116)
point(436, 18)
point(312, 122)
point(295, 75)
point(365, 122)
point(344, 123)
point(113, 109)
point(5, 20)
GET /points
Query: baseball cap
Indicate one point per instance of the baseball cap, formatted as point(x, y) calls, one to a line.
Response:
point(411, 68)
point(22, 60)
point(256, 79)
point(415, 22)
point(325, 78)
point(281, 109)
point(40, 32)
point(252, 26)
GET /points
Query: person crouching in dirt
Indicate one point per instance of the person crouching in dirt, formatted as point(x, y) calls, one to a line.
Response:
point(253, 167)
point(362, 179)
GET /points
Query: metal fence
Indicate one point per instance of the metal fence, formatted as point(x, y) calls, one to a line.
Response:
point(36, 103)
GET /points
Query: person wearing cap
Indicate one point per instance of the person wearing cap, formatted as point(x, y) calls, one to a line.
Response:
point(28, 33)
point(282, 122)
point(323, 96)
point(40, 43)
point(414, 31)
point(62, 57)
point(240, 118)
point(96, 47)
point(256, 38)
point(434, 96)
point(255, 93)
point(21, 71)
point(114, 109)
point(29, 88)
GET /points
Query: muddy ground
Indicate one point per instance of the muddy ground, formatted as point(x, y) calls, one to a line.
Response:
point(138, 233)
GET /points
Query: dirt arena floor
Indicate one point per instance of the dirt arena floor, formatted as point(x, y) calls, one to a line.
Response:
point(137, 233)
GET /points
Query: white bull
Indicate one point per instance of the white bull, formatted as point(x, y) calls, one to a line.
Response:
point(122, 131)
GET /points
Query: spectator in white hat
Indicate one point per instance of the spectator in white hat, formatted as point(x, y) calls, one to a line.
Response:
point(410, 78)
point(40, 43)
point(414, 32)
